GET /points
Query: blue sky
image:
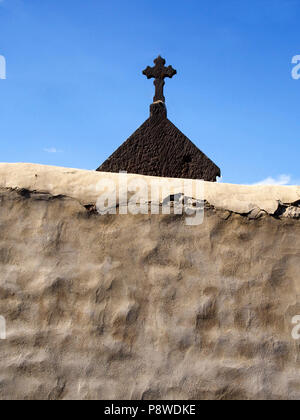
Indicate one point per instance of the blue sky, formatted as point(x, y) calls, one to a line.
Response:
point(74, 89)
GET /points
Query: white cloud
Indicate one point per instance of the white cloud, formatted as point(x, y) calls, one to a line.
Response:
point(279, 180)
point(51, 149)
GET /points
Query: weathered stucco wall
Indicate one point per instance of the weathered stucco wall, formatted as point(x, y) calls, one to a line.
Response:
point(132, 307)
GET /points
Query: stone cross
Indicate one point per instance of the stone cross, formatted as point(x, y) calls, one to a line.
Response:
point(159, 72)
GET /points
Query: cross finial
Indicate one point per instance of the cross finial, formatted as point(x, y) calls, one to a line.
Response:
point(159, 72)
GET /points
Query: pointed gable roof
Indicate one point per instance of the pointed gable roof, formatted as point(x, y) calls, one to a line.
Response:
point(158, 148)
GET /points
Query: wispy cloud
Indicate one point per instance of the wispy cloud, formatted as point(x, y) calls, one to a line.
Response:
point(279, 180)
point(51, 149)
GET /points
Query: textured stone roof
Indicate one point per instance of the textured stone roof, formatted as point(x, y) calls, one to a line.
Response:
point(158, 148)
